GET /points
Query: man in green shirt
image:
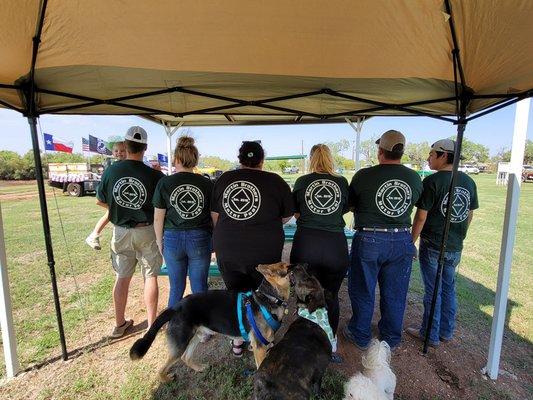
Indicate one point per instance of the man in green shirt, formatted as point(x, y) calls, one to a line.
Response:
point(428, 224)
point(382, 250)
point(126, 190)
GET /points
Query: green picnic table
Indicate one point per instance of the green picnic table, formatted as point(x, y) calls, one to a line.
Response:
point(289, 230)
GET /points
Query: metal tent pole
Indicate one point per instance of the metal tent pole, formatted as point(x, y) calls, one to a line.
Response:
point(9, 341)
point(47, 235)
point(357, 127)
point(451, 192)
point(169, 132)
point(508, 237)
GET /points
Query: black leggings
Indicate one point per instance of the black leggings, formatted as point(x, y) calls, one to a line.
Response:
point(239, 277)
point(327, 255)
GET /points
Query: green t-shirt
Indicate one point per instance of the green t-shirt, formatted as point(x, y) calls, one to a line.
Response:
point(127, 188)
point(434, 200)
point(383, 196)
point(187, 198)
point(321, 200)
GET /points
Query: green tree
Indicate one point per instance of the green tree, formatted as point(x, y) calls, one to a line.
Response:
point(416, 153)
point(336, 151)
point(528, 154)
point(215, 162)
point(473, 152)
point(369, 151)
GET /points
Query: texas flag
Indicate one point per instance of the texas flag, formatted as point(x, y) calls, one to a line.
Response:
point(55, 144)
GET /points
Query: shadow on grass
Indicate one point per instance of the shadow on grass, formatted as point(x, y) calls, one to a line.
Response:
point(228, 381)
point(473, 300)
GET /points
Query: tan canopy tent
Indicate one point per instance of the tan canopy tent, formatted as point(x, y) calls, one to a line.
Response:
point(240, 61)
point(229, 62)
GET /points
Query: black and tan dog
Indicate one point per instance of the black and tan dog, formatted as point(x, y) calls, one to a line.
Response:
point(294, 367)
point(215, 311)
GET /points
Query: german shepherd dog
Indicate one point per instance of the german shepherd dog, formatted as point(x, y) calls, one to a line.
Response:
point(294, 367)
point(216, 311)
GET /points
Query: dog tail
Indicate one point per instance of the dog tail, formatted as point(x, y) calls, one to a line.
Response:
point(141, 346)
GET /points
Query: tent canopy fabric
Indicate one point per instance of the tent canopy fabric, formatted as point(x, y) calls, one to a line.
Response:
point(245, 62)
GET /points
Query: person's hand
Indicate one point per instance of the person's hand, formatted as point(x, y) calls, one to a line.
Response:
point(415, 256)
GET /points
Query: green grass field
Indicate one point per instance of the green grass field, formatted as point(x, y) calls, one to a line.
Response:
point(85, 279)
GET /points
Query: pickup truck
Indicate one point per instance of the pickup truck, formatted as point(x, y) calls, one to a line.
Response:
point(469, 169)
point(527, 173)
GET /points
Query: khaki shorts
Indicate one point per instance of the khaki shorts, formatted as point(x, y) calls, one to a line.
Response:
point(130, 246)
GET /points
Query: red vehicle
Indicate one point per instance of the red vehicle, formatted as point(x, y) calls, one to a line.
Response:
point(527, 173)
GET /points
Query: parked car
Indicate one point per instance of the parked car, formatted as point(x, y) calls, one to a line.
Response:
point(291, 170)
point(469, 169)
point(527, 173)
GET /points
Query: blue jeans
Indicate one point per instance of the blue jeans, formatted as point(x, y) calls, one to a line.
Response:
point(187, 250)
point(385, 258)
point(446, 304)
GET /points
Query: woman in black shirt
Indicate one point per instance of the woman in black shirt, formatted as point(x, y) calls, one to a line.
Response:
point(320, 200)
point(249, 209)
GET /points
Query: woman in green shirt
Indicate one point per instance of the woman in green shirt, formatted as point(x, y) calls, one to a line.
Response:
point(182, 222)
point(320, 200)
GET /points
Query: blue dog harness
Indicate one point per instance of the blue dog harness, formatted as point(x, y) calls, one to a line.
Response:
point(247, 298)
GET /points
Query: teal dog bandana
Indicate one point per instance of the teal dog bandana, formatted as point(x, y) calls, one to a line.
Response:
point(320, 317)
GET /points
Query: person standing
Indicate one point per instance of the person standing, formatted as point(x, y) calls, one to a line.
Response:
point(93, 240)
point(249, 209)
point(182, 211)
point(428, 224)
point(383, 197)
point(320, 200)
point(126, 190)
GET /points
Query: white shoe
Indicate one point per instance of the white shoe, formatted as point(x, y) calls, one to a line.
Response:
point(93, 241)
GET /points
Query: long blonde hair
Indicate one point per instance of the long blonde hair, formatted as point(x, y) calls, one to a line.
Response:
point(186, 153)
point(321, 159)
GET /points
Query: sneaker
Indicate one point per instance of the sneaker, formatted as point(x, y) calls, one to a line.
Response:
point(93, 241)
point(415, 332)
point(118, 331)
point(445, 340)
point(349, 337)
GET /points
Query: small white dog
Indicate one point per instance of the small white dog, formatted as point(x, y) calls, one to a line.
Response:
point(377, 382)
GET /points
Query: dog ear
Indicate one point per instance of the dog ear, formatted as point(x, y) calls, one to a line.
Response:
point(314, 301)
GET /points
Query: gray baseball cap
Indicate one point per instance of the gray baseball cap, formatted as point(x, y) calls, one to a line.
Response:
point(389, 139)
point(444, 145)
point(137, 134)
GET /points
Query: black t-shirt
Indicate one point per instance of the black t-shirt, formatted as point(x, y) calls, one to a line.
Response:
point(383, 196)
point(127, 188)
point(186, 197)
point(321, 200)
point(250, 204)
point(434, 200)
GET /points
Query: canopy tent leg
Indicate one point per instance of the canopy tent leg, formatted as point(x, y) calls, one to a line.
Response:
point(9, 342)
point(47, 235)
point(508, 238)
point(170, 131)
point(357, 127)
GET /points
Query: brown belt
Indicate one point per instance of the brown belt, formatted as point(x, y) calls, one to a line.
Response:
point(141, 224)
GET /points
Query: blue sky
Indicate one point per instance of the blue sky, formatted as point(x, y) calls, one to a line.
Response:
point(494, 131)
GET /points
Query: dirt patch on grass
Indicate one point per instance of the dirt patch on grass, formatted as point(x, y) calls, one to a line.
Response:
point(99, 368)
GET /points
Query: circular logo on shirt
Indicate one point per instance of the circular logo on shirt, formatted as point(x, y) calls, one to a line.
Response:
point(188, 201)
point(323, 197)
point(129, 192)
point(393, 198)
point(241, 200)
point(460, 206)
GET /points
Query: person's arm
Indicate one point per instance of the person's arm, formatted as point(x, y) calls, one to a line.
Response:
point(418, 223)
point(159, 221)
point(102, 204)
point(296, 215)
point(214, 218)
point(470, 216)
